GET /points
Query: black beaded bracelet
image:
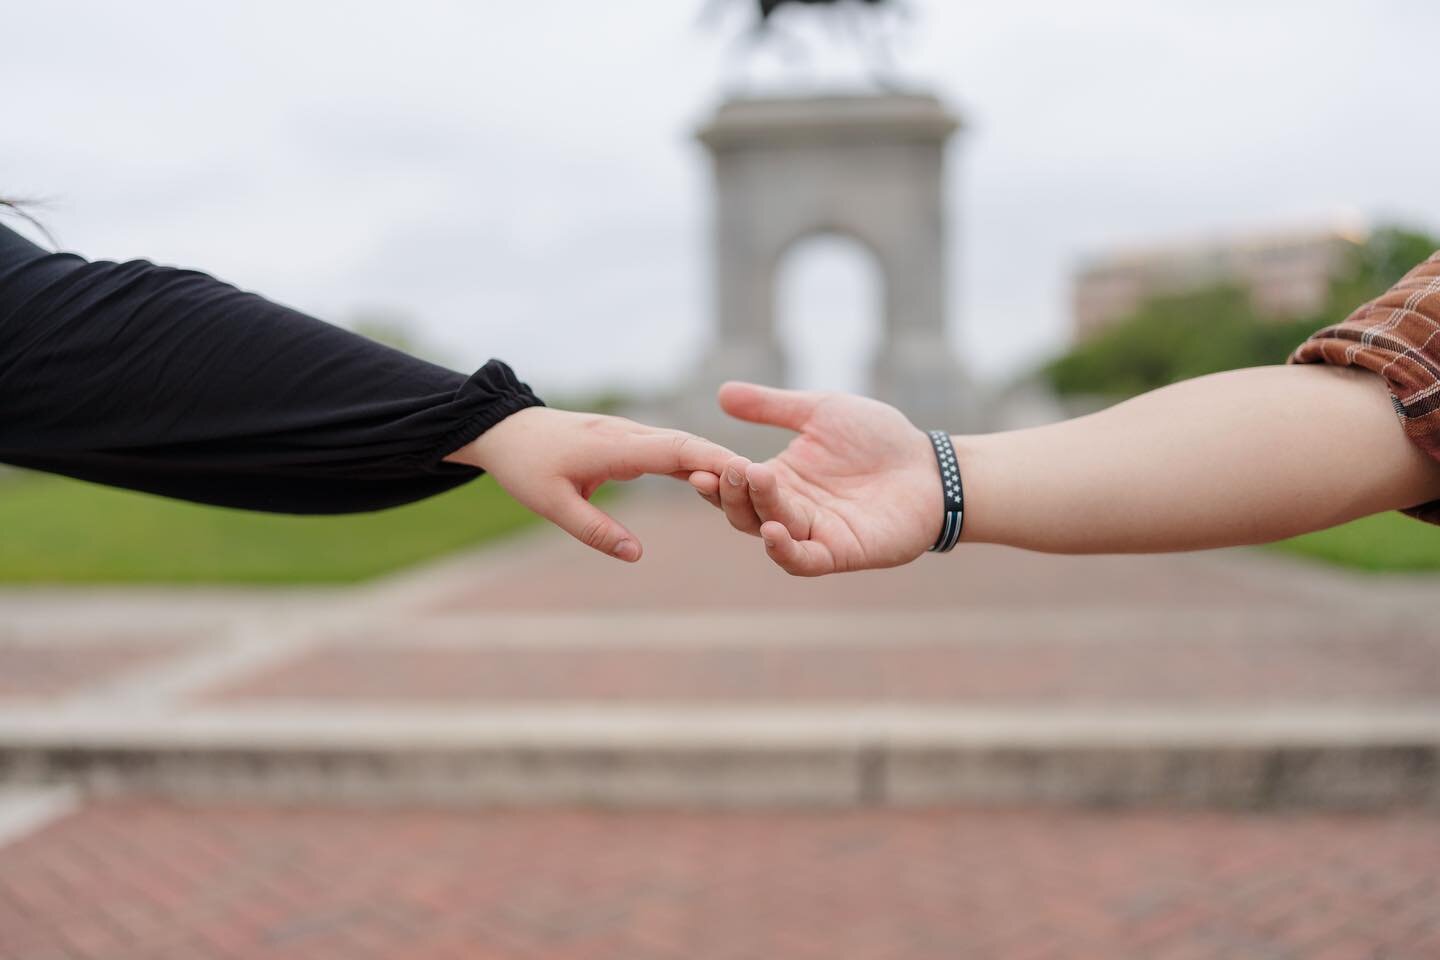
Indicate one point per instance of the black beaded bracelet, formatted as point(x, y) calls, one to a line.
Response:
point(954, 492)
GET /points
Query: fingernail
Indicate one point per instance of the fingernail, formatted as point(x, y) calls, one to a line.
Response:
point(627, 550)
point(735, 477)
point(769, 544)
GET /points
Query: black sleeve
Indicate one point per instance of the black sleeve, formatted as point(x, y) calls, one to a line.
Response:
point(172, 382)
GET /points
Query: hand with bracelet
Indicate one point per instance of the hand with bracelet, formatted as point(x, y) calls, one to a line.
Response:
point(857, 489)
point(1243, 457)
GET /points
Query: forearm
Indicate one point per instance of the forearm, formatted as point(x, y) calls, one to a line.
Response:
point(1247, 456)
point(175, 383)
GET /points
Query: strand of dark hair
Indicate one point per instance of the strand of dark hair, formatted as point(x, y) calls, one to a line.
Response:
point(17, 207)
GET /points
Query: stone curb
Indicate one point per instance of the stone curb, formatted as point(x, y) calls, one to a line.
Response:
point(731, 757)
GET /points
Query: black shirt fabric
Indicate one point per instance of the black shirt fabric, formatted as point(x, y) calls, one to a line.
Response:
point(172, 382)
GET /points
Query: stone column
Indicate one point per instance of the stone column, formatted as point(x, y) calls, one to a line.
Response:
point(870, 167)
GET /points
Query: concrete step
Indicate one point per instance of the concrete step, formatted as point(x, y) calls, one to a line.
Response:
point(1302, 756)
point(1258, 705)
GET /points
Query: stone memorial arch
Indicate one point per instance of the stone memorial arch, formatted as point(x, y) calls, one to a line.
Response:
point(867, 167)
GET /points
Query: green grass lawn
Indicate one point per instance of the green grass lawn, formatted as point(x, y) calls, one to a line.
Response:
point(55, 530)
point(1388, 542)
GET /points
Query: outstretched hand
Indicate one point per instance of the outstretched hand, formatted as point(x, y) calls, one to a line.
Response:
point(856, 489)
point(553, 461)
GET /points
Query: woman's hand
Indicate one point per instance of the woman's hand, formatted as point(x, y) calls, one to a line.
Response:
point(552, 461)
point(857, 489)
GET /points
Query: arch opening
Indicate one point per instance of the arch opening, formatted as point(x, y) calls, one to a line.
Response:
point(829, 302)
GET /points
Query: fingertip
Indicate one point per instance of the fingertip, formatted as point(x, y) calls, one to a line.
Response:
point(760, 475)
point(780, 547)
point(705, 482)
point(735, 395)
point(775, 534)
point(797, 558)
point(769, 405)
point(735, 471)
point(590, 525)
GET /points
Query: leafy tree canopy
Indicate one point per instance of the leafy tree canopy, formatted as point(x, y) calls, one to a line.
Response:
point(1179, 336)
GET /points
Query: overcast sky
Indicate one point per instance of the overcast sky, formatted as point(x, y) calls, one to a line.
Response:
point(521, 180)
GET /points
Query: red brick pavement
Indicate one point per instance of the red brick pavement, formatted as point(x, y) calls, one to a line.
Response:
point(693, 560)
point(1339, 667)
point(55, 666)
point(144, 880)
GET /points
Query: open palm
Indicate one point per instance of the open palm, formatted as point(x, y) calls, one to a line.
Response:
point(856, 489)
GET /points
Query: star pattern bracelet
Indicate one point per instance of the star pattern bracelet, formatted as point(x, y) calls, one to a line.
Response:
point(954, 492)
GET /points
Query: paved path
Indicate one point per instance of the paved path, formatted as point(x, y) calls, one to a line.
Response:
point(146, 880)
point(543, 673)
point(838, 659)
point(705, 619)
point(694, 562)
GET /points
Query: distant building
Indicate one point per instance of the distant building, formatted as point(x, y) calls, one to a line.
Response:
point(1287, 274)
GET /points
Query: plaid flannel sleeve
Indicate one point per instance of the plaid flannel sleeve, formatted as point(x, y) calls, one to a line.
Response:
point(1396, 335)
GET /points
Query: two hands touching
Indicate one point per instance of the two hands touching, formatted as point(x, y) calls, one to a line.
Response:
point(1186, 467)
point(857, 488)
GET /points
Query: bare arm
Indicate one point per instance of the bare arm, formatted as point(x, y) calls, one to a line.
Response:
point(1242, 457)
point(1247, 456)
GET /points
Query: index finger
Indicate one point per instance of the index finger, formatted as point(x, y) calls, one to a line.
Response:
point(671, 452)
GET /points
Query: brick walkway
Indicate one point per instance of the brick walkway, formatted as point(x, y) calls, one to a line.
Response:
point(985, 625)
point(54, 666)
point(136, 880)
point(704, 619)
point(1149, 669)
point(703, 623)
point(694, 561)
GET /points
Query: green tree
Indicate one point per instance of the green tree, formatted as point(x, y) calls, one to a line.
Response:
point(1374, 266)
point(1179, 336)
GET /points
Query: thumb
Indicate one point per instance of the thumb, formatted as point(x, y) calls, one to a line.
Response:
point(769, 405)
point(591, 526)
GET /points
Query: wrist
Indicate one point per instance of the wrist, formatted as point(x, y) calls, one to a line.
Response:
point(975, 458)
point(488, 449)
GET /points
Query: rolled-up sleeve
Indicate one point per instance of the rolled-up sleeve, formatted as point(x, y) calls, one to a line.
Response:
point(172, 382)
point(1397, 336)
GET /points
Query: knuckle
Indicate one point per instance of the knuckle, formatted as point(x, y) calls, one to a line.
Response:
point(593, 532)
point(605, 425)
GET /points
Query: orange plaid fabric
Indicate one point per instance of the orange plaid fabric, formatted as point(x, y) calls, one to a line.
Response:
point(1396, 335)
